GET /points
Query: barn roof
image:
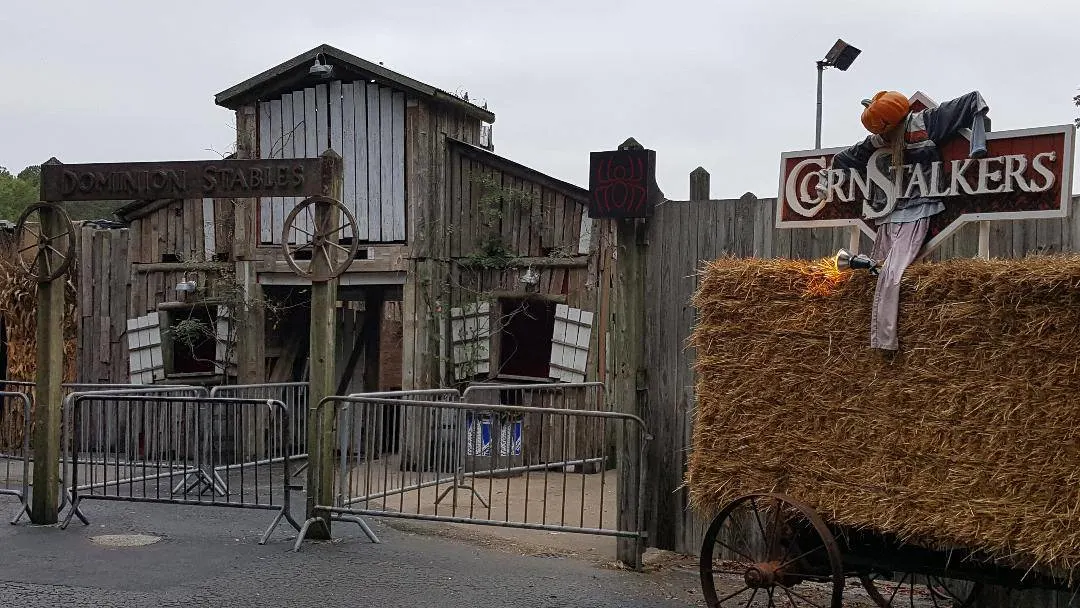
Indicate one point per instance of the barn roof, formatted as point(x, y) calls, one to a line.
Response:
point(293, 74)
point(576, 193)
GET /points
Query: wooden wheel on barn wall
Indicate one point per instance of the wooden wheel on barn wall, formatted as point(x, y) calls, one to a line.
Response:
point(770, 550)
point(44, 254)
point(304, 242)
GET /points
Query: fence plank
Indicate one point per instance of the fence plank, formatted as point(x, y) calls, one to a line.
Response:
point(360, 159)
point(374, 170)
point(397, 202)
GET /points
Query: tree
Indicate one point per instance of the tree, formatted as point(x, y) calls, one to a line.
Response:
point(16, 192)
point(19, 191)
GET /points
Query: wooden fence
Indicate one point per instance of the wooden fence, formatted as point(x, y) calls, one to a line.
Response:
point(683, 234)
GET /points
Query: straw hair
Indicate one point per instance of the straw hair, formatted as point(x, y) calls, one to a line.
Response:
point(969, 436)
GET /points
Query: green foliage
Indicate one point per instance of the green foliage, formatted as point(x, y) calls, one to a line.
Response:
point(493, 199)
point(17, 192)
point(191, 332)
point(493, 253)
point(493, 196)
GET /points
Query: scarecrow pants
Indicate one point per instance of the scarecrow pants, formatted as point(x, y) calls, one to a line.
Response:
point(898, 245)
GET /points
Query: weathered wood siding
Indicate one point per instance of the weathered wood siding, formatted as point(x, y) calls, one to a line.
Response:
point(427, 153)
point(544, 226)
point(102, 284)
point(682, 235)
point(364, 122)
point(194, 230)
point(169, 237)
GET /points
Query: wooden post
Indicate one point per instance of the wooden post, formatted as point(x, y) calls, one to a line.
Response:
point(984, 240)
point(699, 184)
point(854, 237)
point(628, 356)
point(320, 422)
point(628, 309)
point(47, 393)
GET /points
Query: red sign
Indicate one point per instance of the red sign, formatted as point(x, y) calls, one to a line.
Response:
point(1025, 174)
point(622, 183)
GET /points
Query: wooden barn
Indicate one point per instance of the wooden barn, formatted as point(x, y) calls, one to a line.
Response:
point(470, 266)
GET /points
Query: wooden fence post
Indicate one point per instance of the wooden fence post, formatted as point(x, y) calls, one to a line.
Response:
point(628, 355)
point(320, 422)
point(50, 375)
point(699, 184)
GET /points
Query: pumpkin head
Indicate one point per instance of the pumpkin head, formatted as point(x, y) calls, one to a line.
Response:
point(886, 110)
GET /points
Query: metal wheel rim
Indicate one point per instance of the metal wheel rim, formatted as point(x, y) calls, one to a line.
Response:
point(940, 594)
point(779, 592)
point(66, 252)
point(336, 269)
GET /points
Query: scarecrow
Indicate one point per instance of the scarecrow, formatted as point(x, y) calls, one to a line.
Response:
point(911, 138)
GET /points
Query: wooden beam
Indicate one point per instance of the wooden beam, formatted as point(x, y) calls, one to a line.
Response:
point(577, 261)
point(179, 267)
point(48, 392)
point(628, 325)
point(321, 348)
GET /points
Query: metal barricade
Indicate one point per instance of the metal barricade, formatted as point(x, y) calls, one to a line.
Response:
point(181, 450)
point(295, 397)
point(522, 477)
point(25, 454)
point(588, 396)
point(15, 461)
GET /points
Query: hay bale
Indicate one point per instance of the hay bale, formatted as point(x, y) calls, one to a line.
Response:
point(968, 436)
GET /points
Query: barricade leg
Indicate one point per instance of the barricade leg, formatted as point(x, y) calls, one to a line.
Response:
point(24, 509)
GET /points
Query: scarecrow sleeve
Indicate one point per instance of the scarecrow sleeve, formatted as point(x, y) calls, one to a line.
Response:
point(854, 157)
point(945, 120)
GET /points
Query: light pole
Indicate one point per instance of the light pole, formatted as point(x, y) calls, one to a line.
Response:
point(840, 56)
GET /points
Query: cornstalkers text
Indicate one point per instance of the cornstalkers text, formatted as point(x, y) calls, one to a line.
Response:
point(992, 175)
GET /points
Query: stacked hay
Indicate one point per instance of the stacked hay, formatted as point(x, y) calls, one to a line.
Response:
point(968, 436)
point(18, 306)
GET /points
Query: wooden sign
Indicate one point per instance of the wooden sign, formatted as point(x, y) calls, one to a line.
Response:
point(1025, 174)
point(181, 180)
point(622, 183)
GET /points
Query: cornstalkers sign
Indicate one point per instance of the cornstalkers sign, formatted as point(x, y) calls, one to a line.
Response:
point(1025, 174)
point(181, 180)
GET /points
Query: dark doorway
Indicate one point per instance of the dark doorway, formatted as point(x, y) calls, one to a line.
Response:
point(525, 341)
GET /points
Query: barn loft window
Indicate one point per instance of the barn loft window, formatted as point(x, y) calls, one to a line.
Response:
point(190, 341)
point(179, 341)
point(525, 329)
point(521, 339)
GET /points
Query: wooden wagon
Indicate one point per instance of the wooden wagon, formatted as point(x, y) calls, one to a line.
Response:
point(773, 550)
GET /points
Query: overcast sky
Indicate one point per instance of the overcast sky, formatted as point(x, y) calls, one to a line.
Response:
point(725, 85)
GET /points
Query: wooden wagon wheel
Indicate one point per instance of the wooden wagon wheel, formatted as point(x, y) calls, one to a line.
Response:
point(324, 244)
point(911, 588)
point(44, 257)
point(770, 550)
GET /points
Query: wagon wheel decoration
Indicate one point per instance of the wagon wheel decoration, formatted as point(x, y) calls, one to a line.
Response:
point(44, 257)
point(927, 590)
point(312, 242)
point(769, 550)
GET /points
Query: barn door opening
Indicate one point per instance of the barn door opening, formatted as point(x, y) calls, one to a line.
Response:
point(526, 326)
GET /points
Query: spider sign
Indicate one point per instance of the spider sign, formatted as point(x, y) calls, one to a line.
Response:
point(622, 183)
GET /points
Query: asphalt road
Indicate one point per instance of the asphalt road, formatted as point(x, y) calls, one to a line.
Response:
point(210, 557)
